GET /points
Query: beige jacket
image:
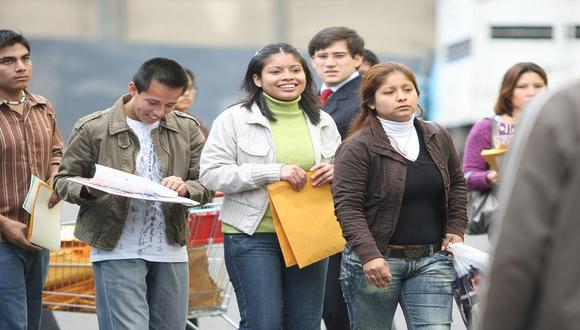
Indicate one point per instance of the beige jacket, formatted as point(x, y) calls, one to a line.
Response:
point(239, 159)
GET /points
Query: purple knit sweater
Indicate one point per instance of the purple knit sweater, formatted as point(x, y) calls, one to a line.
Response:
point(479, 138)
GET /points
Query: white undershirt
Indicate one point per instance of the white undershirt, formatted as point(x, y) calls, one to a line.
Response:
point(403, 137)
point(144, 234)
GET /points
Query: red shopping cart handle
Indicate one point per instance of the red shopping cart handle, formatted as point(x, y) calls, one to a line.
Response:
point(204, 226)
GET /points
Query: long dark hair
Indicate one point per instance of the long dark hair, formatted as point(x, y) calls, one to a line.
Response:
point(371, 82)
point(503, 105)
point(308, 101)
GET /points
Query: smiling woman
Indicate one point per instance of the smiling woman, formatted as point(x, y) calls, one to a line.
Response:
point(282, 78)
point(276, 134)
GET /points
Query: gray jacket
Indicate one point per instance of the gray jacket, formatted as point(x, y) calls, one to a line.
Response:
point(105, 138)
point(239, 159)
point(534, 276)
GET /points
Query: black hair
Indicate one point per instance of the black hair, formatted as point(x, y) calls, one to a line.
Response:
point(309, 99)
point(370, 57)
point(164, 70)
point(9, 38)
point(326, 37)
point(190, 75)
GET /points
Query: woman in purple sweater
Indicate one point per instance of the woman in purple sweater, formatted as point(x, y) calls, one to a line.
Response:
point(520, 84)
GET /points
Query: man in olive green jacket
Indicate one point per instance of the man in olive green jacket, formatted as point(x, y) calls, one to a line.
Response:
point(138, 247)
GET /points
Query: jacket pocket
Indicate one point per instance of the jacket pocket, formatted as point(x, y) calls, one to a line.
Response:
point(252, 152)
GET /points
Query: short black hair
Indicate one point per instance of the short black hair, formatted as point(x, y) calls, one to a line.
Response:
point(164, 70)
point(9, 38)
point(190, 75)
point(326, 37)
point(370, 57)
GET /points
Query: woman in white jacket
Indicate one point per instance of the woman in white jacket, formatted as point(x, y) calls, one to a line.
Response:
point(277, 133)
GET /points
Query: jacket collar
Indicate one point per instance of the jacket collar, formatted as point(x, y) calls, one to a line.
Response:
point(256, 116)
point(380, 142)
point(342, 93)
point(118, 121)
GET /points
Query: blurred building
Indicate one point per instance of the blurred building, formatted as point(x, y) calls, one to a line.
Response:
point(85, 51)
point(478, 40)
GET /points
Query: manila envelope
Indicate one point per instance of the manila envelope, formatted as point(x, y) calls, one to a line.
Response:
point(44, 225)
point(305, 223)
point(492, 156)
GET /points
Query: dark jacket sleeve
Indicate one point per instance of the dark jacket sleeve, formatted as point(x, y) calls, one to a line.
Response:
point(351, 168)
point(457, 200)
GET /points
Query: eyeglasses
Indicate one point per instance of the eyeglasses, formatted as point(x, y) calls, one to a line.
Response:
point(334, 56)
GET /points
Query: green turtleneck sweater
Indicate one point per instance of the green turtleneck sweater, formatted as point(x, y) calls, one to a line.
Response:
point(293, 146)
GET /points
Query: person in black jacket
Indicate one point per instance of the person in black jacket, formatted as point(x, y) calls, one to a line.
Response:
point(336, 54)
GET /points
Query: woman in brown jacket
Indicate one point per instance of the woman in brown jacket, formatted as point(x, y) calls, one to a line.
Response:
point(400, 197)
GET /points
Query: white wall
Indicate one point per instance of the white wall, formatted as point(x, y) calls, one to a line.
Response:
point(467, 88)
point(388, 26)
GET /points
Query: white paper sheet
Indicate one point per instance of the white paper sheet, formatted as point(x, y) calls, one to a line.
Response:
point(131, 186)
point(130, 183)
point(29, 200)
point(44, 226)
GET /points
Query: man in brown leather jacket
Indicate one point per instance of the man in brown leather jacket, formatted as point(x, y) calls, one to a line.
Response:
point(138, 247)
point(533, 280)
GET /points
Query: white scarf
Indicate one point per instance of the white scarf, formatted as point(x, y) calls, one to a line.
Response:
point(403, 137)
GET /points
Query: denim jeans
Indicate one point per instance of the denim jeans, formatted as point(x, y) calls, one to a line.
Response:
point(422, 287)
point(139, 294)
point(271, 296)
point(22, 275)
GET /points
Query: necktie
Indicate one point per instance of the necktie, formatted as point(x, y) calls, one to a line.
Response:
point(325, 95)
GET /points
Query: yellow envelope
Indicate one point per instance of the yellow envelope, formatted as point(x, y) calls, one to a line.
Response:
point(289, 257)
point(491, 157)
point(305, 223)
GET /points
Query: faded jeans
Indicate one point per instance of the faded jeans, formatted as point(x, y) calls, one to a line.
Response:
point(139, 294)
point(22, 275)
point(271, 296)
point(422, 287)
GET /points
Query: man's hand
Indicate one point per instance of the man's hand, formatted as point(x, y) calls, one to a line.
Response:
point(294, 175)
point(323, 173)
point(15, 232)
point(54, 199)
point(175, 183)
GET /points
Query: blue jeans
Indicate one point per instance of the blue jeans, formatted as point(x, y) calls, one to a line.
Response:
point(22, 275)
point(271, 296)
point(139, 294)
point(423, 288)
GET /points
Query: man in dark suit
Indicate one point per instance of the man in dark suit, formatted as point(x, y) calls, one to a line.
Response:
point(336, 54)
